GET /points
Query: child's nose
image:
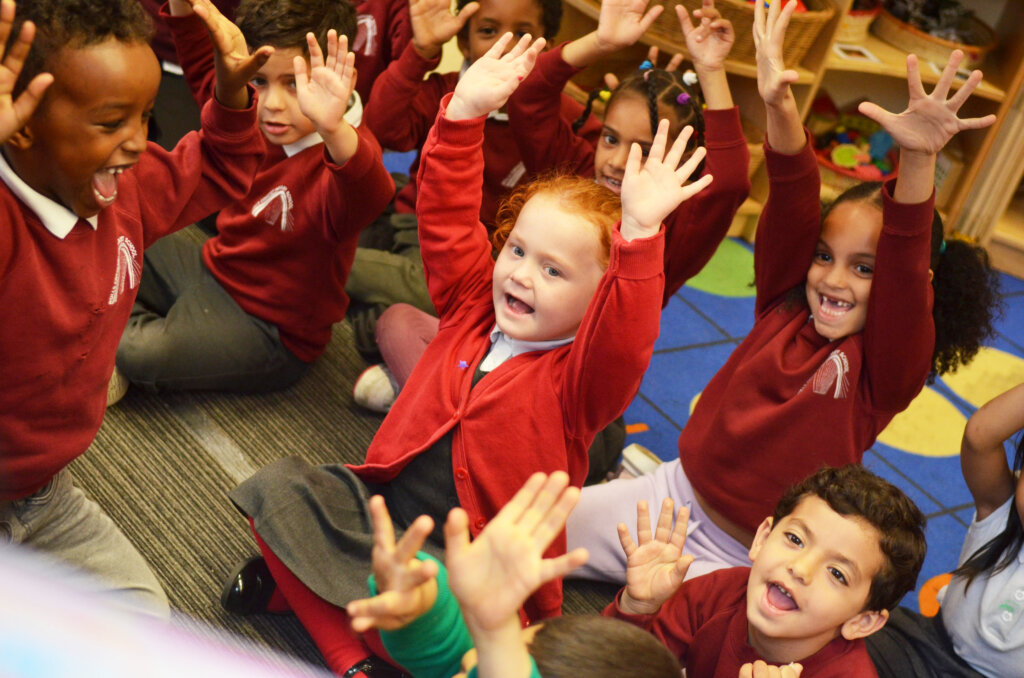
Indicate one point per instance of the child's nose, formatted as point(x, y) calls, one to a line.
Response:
point(801, 569)
point(835, 276)
point(521, 276)
point(273, 98)
point(136, 143)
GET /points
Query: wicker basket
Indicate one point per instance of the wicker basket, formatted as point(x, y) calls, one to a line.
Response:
point(915, 41)
point(853, 28)
point(803, 27)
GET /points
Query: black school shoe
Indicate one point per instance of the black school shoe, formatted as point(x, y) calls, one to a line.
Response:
point(375, 667)
point(249, 589)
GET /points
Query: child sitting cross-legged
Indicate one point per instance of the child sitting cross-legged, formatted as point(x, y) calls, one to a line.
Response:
point(439, 622)
point(841, 549)
point(251, 308)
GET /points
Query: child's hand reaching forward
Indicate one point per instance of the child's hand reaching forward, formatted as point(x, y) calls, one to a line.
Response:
point(433, 24)
point(234, 66)
point(652, 190)
point(492, 78)
point(324, 92)
point(760, 669)
point(14, 113)
point(655, 567)
point(406, 586)
point(773, 78)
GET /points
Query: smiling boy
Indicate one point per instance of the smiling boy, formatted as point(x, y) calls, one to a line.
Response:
point(82, 195)
point(841, 549)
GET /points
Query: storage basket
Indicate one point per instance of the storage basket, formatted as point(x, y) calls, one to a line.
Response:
point(853, 27)
point(915, 41)
point(803, 26)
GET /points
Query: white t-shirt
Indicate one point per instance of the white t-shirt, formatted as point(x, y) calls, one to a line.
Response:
point(986, 623)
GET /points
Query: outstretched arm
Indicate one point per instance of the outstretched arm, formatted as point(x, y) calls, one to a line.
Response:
point(982, 457)
point(324, 93)
point(655, 566)
point(494, 575)
point(15, 113)
point(785, 132)
point(927, 124)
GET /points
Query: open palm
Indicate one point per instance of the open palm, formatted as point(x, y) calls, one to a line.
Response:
point(324, 93)
point(14, 113)
point(655, 566)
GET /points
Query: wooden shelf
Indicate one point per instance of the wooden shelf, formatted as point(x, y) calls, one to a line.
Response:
point(893, 63)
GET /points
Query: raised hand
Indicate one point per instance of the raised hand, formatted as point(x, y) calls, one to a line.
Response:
point(323, 94)
point(651, 190)
point(406, 586)
point(14, 113)
point(655, 566)
point(494, 575)
point(622, 22)
point(930, 120)
point(490, 81)
point(433, 24)
point(773, 78)
point(234, 65)
point(711, 40)
point(760, 669)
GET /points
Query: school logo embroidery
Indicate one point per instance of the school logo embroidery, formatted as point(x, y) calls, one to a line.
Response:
point(366, 35)
point(514, 176)
point(275, 205)
point(128, 271)
point(831, 376)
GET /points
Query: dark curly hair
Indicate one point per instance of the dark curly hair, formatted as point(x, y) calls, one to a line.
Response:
point(284, 23)
point(599, 647)
point(853, 490)
point(75, 24)
point(551, 16)
point(967, 301)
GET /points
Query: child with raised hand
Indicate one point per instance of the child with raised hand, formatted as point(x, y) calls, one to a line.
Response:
point(439, 623)
point(82, 195)
point(252, 307)
point(856, 307)
point(536, 352)
point(838, 552)
point(977, 631)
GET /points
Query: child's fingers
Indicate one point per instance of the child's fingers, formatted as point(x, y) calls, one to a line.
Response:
point(695, 187)
point(466, 12)
point(611, 81)
point(456, 533)
point(977, 123)
point(7, 11)
point(643, 522)
point(675, 154)
point(678, 537)
point(521, 501)
point(301, 76)
point(335, 48)
point(965, 91)
point(664, 527)
point(383, 529)
point(692, 163)
point(29, 99)
point(316, 55)
point(680, 568)
point(413, 538)
point(947, 77)
point(650, 17)
point(914, 84)
point(625, 539)
point(542, 502)
point(657, 150)
point(519, 48)
point(792, 670)
point(685, 25)
point(556, 568)
point(875, 112)
point(15, 58)
point(498, 48)
point(674, 63)
point(554, 519)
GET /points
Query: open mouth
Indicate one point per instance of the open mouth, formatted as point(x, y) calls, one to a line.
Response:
point(517, 305)
point(104, 184)
point(612, 183)
point(779, 598)
point(275, 128)
point(831, 307)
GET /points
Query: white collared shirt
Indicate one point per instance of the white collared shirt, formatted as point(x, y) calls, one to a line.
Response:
point(504, 347)
point(57, 218)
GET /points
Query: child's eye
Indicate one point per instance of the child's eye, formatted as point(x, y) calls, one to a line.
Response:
point(486, 31)
point(823, 257)
point(609, 139)
point(838, 575)
point(258, 82)
point(864, 270)
point(291, 83)
point(517, 250)
point(112, 125)
point(795, 540)
point(552, 271)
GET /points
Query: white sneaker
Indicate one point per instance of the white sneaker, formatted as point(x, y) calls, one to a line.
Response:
point(375, 389)
point(116, 387)
point(637, 460)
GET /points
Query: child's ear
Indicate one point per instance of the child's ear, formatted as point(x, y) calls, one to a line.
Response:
point(22, 139)
point(864, 624)
point(760, 537)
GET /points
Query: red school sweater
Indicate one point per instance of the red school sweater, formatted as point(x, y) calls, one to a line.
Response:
point(382, 32)
point(284, 251)
point(695, 228)
point(403, 105)
point(788, 400)
point(65, 303)
point(538, 411)
point(705, 624)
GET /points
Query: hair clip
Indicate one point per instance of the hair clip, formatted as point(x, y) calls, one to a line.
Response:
point(604, 95)
point(646, 65)
point(690, 78)
point(942, 247)
point(683, 99)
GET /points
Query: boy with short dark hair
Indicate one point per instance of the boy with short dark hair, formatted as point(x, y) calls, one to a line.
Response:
point(253, 307)
point(82, 196)
point(840, 551)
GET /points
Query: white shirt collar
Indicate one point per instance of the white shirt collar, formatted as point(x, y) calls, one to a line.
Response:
point(504, 347)
point(354, 117)
point(57, 218)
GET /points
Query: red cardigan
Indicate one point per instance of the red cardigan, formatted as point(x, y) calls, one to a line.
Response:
point(538, 411)
point(383, 30)
point(705, 625)
point(697, 226)
point(403, 105)
point(65, 303)
point(284, 251)
point(788, 400)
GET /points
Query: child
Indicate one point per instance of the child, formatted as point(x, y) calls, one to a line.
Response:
point(840, 550)
point(536, 352)
point(430, 634)
point(546, 140)
point(402, 109)
point(978, 631)
point(845, 333)
point(251, 308)
point(82, 196)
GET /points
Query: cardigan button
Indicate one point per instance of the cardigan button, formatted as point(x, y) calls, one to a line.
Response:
point(461, 473)
point(480, 523)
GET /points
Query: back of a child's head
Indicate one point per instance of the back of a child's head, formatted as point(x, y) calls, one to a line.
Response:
point(599, 647)
point(575, 195)
point(75, 24)
point(551, 15)
point(966, 288)
point(853, 491)
point(284, 23)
